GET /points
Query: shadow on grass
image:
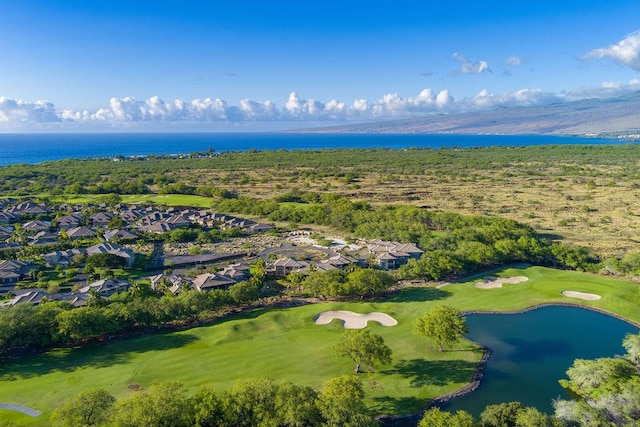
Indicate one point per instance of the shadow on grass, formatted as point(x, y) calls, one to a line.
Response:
point(94, 356)
point(399, 406)
point(423, 373)
point(419, 294)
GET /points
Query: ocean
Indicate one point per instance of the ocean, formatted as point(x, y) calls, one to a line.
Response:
point(37, 148)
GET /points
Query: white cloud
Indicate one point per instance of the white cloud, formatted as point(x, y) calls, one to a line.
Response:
point(626, 52)
point(514, 60)
point(205, 113)
point(467, 67)
point(605, 90)
point(520, 98)
point(12, 110)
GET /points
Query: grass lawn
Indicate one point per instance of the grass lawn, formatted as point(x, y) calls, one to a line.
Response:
point(284, 344)
point(159, 199)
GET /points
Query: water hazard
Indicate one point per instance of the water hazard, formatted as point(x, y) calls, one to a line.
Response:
point(533, 350)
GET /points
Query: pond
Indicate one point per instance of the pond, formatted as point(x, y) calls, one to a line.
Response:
point(533, 350)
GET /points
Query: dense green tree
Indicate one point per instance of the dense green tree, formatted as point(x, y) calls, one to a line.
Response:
point(501, 415)
point(531, 417)
point(366, 281)
point(631, 343)
point(244, 292)
point(607, 391)
point(341, 403)
point(591, 378)
point(163, 405)
point(435, 417)
point(442, 325)
point(297, 406)
point(208, 409)
point(251, 403)
point(82, 323)
point(105, 260)
point(432, 265)
point(364, 348)
point(88, 408)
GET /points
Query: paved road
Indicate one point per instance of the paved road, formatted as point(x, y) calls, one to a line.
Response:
point(23, 409)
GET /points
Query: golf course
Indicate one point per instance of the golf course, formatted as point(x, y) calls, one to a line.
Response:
point(285, 344)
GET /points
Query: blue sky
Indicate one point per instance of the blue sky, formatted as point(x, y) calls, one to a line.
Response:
point(263, 65)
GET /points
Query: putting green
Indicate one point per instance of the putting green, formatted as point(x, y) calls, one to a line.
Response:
point(284, 344)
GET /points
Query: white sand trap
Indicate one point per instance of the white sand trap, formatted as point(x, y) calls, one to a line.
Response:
point(351, 320)
point(581, 295)
point(496, 282)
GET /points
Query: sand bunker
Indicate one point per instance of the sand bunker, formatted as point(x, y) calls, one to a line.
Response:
point(496, 282)
point(581, 295)
point(351, 320)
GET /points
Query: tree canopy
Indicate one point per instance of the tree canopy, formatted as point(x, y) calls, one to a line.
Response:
point(443, 325)
point(364, 348)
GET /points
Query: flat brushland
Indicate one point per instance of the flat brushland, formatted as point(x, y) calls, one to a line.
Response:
point(587, 195)
point(285, 344)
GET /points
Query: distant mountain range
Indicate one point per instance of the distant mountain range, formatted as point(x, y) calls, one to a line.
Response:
point(612, 117)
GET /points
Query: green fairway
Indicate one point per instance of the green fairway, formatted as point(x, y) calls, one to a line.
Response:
point(284, 344)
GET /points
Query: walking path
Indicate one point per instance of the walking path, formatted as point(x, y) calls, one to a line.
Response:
point(23, 409)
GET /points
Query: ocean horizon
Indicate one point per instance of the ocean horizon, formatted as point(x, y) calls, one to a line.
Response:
point(42, 147)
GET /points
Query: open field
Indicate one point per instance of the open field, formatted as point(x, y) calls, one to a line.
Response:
point(284, 344)
point(586, 195)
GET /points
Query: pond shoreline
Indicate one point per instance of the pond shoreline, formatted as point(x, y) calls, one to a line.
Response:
point(478, 373)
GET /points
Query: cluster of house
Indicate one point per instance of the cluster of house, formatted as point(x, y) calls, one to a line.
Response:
point(19, 226)
point(223, 279)
point(104, 288)
point(79, 223)
point(382, 254)
point(126, 221)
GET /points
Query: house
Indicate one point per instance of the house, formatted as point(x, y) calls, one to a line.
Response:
point(178, 221)
point(21, 268)
point(236, 271)
point(152, 218)
point(101, 219)
point(7, 218)
point(175, 283)
point(208, 281)
point(27, 208)
point(62, 258)
point(25, 296)
point(36, 225)
point(69, 221)
point(111, 248)
point(6, 245)
point(158, 228)
point(43, 238)
point(317, 267)
point(106, 287)
point(119, 234)
point(339, 261)
point(8, 277)
point(131, 215)
point(259, 228)
point(284, 266)
point(80, 233)
point(5, 233)
point(391, 255)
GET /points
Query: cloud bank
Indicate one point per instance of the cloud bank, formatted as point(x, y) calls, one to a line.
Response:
point(626, 52)
point(122, 112)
